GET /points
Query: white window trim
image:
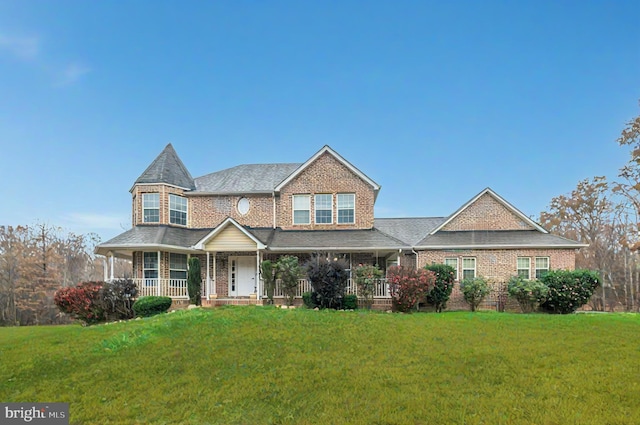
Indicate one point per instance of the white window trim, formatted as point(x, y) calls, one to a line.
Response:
point(528, 269)
point(315, 208)
point(186, 212)
point(293, 209)
point(536, 265)
point(338, 208)
point(144, 195)
point(475, 266)
point(455, 267)
point(144, 268)
point(171, 269)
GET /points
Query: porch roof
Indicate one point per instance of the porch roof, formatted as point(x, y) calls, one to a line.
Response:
point(498, 239)
point(310, 240)
point(149, 237)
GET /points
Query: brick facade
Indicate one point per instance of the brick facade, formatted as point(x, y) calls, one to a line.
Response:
point(327, 175)
point(486, 213)
point(498, 265)
point(210, 211)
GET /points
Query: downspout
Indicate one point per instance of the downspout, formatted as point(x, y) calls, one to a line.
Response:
point(273, 196)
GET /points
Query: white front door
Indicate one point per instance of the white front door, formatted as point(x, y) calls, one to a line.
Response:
point(242, 276)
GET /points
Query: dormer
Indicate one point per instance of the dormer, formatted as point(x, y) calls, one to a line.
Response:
point(158, 194)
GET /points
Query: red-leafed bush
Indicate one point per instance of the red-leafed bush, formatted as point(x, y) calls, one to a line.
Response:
point(408, 286)
point(81, 302)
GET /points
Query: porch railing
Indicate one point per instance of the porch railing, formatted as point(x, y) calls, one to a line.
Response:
point(381, 289)
point(174, 288)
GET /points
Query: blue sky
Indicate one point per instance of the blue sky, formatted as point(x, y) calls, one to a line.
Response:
point(433, 100)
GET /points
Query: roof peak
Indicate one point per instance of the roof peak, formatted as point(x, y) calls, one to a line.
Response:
point(167, 168)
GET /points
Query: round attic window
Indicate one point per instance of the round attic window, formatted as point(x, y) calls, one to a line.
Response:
point(243, 206)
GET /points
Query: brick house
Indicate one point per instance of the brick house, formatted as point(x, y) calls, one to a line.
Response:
point(235, 218)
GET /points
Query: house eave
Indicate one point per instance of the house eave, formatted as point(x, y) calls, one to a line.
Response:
point(159, 183)
point(335, 248)
point(505, 246)
point(104, 249)
point(252, 192)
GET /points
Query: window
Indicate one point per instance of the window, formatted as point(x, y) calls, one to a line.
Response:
point(150, 207)
point(177, 210)
point(178, 266)
point(524, 266)
point(453, 262)
point(150, 268)
point(468, 268)
point(243, 206)
point(324, 209)
point(346, 208)
point(301, 208)
point(542, 266)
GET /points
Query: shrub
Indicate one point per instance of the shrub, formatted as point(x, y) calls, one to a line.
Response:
point(194, 281)
point(408, 286)
point(440, 293)
point(528, 293)
point(350, 302)
point(310, 300)
point(328, 279)
point(474, 290)
point(81, 302)
point(268, 273)
point(288, 271)
point(367, 277)
point(116, 299)
point(151, 305)
point(568, 290)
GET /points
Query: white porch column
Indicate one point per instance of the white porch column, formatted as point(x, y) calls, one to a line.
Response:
point(258, 257)
point(215, 278)
point(208, 276)
point(399, 255)
point(111, 264)
point(105, 269)
point(159, 268)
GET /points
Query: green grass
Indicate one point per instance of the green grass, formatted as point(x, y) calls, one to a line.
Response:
point(260, 365)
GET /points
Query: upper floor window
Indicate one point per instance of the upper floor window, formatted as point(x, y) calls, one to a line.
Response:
point(542, 266)
point(177, 266)
point(301, 209)
point(346, 208)
point(177, 210)
point(150, 207)
point(468, 268)
point(524, 266)
point(324, 208)
point(453, 262)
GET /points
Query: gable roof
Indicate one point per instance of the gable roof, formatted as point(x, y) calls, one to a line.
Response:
point(228, 222)
point(337, 156)
point(249, 178)
point(498, 198)
point(167, 168)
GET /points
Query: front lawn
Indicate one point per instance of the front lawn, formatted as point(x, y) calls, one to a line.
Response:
point(261, 365)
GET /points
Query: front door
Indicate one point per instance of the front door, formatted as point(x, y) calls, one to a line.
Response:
point(242, 276)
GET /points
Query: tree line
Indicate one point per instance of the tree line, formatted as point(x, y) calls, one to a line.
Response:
point(39, 259)
point(605, 214)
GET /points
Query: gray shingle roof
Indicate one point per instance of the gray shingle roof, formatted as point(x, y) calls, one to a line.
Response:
point(156, 236)
point(333, 239)
point(409, 229)
point(167, 168)
point(245, 178)
point(496, 238)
